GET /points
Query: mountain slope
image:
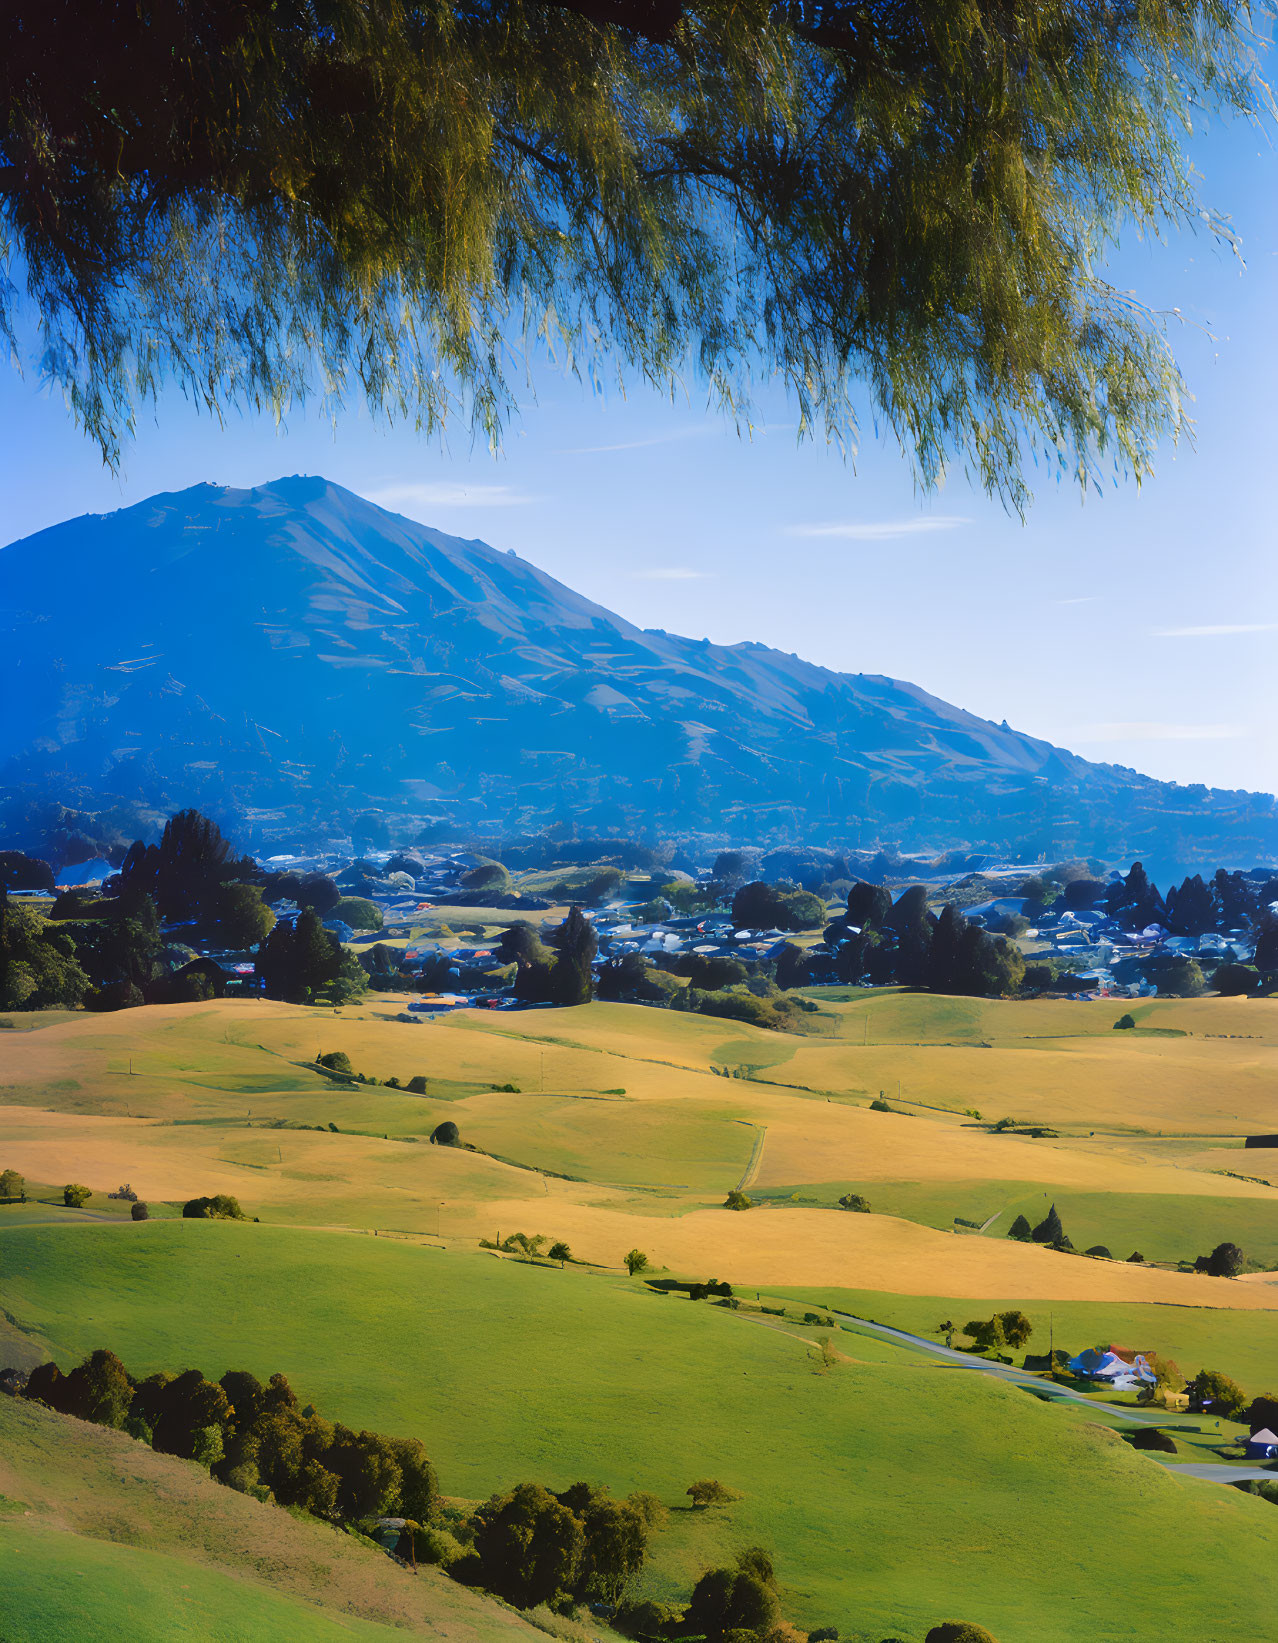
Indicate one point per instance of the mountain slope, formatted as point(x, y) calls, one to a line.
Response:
point(296, 649)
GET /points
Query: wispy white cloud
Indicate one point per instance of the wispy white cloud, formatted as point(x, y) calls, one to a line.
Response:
point(672, 435)
point(448, 493)
point(1143, 731)
point(882, 530)
point(1218, 630)
point(1086, 599)
point(669, 573)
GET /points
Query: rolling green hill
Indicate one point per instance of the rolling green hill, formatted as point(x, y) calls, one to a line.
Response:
point(892, 1492)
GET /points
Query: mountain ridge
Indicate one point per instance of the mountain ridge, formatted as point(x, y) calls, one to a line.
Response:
point(294, 648)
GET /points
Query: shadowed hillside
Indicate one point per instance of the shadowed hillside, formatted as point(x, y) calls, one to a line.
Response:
point(295, 649)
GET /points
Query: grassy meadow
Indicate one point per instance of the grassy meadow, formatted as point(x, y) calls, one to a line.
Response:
point(893, 1492)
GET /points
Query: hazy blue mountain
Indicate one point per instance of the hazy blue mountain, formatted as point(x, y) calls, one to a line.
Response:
point(294, 654)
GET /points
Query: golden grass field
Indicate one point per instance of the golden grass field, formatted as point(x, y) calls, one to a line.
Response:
point(621, 1133)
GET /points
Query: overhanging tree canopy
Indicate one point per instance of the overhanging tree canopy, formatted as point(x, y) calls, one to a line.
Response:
point(269, 199)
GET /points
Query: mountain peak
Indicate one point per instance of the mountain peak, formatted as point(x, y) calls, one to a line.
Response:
point(294, 648)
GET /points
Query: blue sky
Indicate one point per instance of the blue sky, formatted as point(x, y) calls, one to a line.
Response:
point(1139, 626)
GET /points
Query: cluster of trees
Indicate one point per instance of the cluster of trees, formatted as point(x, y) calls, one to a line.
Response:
point(302, 961)
point(253, 1437)
point(560, 973)
point(1048, 1231)
point(1225, 1261)
point(903, 941)
point(1010, 1328)
point(782, 906)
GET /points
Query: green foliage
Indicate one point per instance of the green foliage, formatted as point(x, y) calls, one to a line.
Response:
point(221, 1207)
point(139, 1212)
point(98, 1390)
point(1209, 1389)
point(336, 1061)
point(776, 907)
point(235, 916)
point(1049, 1230)
point(710, 1492)
point(959, 1631)
point(738, 1599)
point(75, 1196)
point(855, 1202)
point(358, 913)
point(636, 1261)
point(38, 965)
point(529, 1545)
point(1020, 1229)
point(12, 1184)
point(559, 1252)
point(183, 874)
point(446, 1134)
point(1125, 1023)
point(299, 961)
point(571, 979)
point(487, 875)
point(1226, 1261)
point(737, 1200)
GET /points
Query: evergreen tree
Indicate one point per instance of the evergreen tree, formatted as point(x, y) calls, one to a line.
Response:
point(1020, 1229)
point(869, 904)
point(571, 979)
point(1191, 908)
point(943, 957)
point(1049, 1230)
point(1266, 959)
point(911, 925)
point(298, 961)
point(1236, 902)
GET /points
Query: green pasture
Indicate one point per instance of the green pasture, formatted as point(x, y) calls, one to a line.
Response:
point(61, 1588)
point(1161, 1226)
point(1242, 1344)
point(893, 1494)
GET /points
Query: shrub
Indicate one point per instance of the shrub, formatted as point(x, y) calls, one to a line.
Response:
point(1099, 1249)
point(855, 1202)
point(75, 1196)
point(879, 1105)
point(1020, 1229)
point(358, 913)
point(959, 1631)
point(337, 1061)
point(737, 1200)
point(445, 1135)
point(1136, 1258)
point(1124, 1023)
point(416, 1085)
point(140, 1212)
point(1149, 1437)
point(221, 1207)
point(436, 1547)
point(710, 1492)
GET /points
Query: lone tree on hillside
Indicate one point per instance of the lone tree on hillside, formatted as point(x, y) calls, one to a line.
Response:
point(559, 1252)
point(1226, 1261)
point(710, 1492)
point(1020, 1229)
point(365, 198)
point(445, 1135)
point(737, 1200)
point(75, 1196)
point(636, 1261)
